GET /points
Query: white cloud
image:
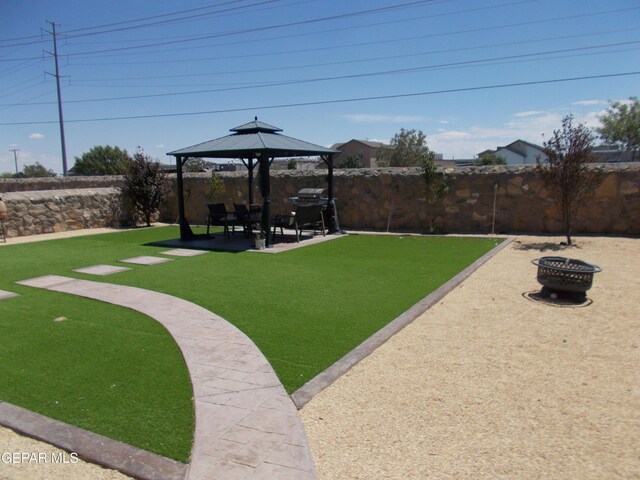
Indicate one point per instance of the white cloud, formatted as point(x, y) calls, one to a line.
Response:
point(36, 136)
point(530, 113)
point(161, 145)
point(445, 135)
point(590, 102)
point(535, 128)
point(366, 118)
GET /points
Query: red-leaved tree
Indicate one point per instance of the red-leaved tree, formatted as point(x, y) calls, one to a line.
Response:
point(566, 173)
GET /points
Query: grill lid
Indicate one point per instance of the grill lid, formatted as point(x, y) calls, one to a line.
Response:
point(310, 193)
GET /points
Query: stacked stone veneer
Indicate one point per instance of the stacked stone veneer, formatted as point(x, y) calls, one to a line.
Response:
point(48, 211)
point(377, 199)
point(367, 199)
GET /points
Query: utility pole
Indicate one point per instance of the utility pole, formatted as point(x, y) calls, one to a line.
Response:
point(60, 117)
point(15, 157)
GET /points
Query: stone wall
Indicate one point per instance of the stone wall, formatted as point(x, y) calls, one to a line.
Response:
point(367, 199)
point(381, 199)
point(59, 183)
point(48, 211)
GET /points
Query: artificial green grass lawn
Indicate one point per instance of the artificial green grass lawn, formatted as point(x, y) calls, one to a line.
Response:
point(119, 373)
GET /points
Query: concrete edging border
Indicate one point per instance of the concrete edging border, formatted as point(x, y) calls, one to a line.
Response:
point(92, 447)
point(304, 394)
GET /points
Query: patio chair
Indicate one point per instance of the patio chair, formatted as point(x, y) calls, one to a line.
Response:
point(219, 217)
point(306, 217)
point(245, 218)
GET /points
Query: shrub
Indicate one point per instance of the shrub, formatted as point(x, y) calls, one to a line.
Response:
point(144, 185)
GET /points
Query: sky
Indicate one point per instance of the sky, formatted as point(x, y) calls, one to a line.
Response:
point(163, 75)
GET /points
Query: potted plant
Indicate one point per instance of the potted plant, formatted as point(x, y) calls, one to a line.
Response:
point(260, 238)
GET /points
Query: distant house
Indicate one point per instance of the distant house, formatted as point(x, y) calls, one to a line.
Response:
point(303, 163)
point(364, 150)
point(611, 154)
point(518, 153)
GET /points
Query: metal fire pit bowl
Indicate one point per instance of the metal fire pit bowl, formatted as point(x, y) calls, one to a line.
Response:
point(565, 274)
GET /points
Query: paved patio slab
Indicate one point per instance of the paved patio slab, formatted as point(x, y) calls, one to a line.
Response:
point(4, 294)
point(101, 270)
point(240, 243)
point(247, 427)
point(183, 252)
point(146, 260)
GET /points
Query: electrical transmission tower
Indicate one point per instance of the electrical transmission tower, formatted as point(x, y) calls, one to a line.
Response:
point(57, 77)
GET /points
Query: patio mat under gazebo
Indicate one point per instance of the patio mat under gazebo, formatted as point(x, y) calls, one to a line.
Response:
point(240, 243)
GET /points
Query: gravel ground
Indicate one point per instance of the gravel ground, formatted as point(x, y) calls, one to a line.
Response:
point(490, 384)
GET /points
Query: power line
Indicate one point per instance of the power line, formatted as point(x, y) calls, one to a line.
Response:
point(247, 85)
point(345, 77)
point(350, 61)
point(167, 37)
point(265, 28)
point(153, 17)
point(344, 100)
point(104, 53)
point(134, 27)
point(131, 21)
point(348, 45)
point(318, 32)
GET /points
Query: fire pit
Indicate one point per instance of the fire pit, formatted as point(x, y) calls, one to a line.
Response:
point(568, 275)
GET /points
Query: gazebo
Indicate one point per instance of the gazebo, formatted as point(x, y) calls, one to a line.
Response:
point(256, 144)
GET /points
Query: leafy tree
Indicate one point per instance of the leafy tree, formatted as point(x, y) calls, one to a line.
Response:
point(566, 173)
point(102, 160)
point(351, 161)
point(144, 185)
point(490, 159)
point(621, 125)
point(196, 164)
point(37, 170)
point(6, 175)
point(408, 148)
point(215, 192)
point(435, 183)
point(292, 164)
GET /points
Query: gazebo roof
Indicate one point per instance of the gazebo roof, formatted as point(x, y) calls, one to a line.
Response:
point(251, 139)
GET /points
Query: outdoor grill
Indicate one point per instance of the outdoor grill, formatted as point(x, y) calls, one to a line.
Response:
point(565, 274)
point(310, 196)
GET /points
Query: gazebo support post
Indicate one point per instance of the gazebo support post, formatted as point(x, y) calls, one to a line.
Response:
point(265, 189)
point(332, 212)
point(250, 166)
point(185, 229)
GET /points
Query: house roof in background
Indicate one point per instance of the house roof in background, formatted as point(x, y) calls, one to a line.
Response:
point(364, 142)
point(533, 145)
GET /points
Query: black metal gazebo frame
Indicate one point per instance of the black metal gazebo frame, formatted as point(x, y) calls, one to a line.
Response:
point(256, 144)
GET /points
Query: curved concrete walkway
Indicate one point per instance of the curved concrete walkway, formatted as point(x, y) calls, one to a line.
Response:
point(247, 427)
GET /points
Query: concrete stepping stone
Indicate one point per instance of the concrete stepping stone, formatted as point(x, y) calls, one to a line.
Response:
point(247, 427)
point(4, 294)
point(183, 252)
point(101, 270)
point(146, 260)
